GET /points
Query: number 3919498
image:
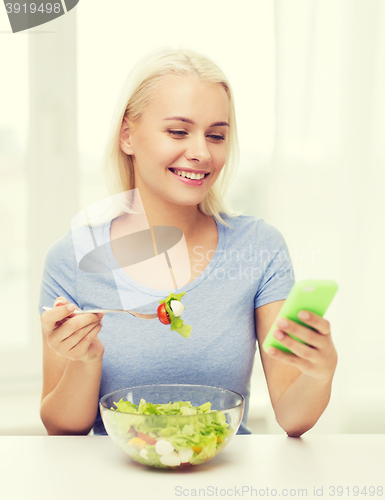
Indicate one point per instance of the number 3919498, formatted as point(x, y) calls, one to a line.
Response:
point(33, 8)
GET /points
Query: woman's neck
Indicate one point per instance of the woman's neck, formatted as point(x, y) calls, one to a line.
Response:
point(163, 213)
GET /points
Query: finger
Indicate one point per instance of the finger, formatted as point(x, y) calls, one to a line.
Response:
point(301, 332)
point(74, 324)
point(295, 346)
point(63, 339)
point(72, 340)
point(84, 343)
point(100, 315)
point(60, 301)
point(286, 357)
point(58, 313)
point(315, 321)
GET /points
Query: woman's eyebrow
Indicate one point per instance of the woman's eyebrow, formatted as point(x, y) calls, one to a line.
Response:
point(187, 120)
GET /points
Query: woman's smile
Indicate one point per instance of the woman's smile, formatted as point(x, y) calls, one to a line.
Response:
point(190, 177)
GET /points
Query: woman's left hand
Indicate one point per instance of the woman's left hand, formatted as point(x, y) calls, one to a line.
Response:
point(318, 359)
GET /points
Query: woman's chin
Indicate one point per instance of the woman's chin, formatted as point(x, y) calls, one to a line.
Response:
point(184, 199)
point(187, 202)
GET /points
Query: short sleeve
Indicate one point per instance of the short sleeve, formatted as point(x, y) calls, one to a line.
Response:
point(278, 277)
point(59, 273)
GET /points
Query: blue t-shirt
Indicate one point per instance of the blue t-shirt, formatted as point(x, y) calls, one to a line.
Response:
point(250, 268)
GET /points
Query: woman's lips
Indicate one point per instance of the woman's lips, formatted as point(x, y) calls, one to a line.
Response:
point(191, 182)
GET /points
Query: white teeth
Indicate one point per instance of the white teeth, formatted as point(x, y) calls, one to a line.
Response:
point(189, 175)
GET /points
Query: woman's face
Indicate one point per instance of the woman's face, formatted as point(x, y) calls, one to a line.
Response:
point(179, 146)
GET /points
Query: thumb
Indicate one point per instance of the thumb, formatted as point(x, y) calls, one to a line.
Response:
point(60, 301)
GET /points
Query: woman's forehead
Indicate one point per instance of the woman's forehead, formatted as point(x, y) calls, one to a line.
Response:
point(175, 95)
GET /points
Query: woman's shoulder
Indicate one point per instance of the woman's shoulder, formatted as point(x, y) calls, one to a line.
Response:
point(250, 225)
point(72, 246)
point(60, 253)
point(61, 245)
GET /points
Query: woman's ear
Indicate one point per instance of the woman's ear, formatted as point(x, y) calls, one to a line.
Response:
point(125, 137)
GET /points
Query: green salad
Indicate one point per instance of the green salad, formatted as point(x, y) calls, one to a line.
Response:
point(169, 313)
point(170, 441)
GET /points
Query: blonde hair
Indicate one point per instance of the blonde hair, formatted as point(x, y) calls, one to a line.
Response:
point(133, 99)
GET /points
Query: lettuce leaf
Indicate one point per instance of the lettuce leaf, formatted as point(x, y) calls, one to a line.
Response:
point(176, 323)
point(205, 433)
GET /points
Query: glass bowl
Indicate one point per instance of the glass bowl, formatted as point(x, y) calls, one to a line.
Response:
point(173, 441)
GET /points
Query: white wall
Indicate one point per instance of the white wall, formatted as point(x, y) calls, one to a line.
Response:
point(308, 79)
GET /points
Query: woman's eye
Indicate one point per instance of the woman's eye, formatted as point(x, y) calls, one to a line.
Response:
point(183, 133)
point(218, 137)
point(177, 132)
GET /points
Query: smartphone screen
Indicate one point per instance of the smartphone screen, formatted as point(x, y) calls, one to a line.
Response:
point(310, 295)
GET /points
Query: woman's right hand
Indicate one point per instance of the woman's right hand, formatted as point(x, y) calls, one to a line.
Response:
point(73, 336)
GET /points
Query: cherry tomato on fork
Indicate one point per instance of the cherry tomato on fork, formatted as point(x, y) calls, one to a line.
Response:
point(163, 315)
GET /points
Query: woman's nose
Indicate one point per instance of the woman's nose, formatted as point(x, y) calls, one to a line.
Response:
point(198, 150)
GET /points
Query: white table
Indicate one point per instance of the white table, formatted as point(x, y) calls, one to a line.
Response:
point(92, 467)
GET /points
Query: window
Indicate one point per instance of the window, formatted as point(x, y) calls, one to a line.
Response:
point(14, 256)
point(38, 183)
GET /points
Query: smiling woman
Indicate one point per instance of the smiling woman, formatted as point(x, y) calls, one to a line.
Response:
point(173, 147)
point(190, 83)
point(158, 149)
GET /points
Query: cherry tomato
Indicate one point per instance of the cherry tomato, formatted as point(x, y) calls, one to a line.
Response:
point(163, 315)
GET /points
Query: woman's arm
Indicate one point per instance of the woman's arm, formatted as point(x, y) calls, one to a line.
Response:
point(299, 385)
point(72, 367)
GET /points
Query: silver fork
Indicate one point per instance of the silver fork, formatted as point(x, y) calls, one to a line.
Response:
point(138, 315)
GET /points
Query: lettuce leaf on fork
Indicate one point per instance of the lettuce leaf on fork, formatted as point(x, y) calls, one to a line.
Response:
point(176, 322)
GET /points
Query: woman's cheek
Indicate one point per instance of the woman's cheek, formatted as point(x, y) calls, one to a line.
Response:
point(170, 155)
point(220, 158)
point(221, 164)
